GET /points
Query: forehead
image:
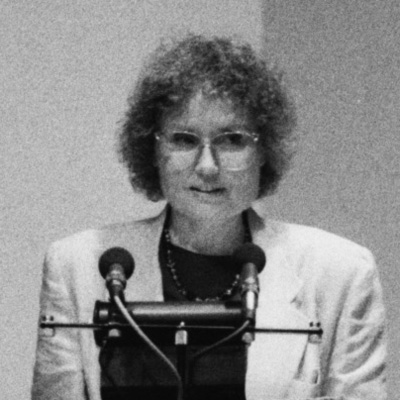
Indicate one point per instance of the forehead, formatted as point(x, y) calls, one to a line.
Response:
point(203, 111)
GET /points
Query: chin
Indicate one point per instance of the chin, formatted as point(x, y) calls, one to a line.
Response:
point(208, 211)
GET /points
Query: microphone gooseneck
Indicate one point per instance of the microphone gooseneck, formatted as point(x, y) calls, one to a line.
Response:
point(116, 266)
point(252, 259)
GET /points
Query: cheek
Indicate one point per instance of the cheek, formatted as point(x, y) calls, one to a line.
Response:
point(169, 173)
point(246, 185)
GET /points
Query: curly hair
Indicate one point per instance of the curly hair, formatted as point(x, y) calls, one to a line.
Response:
point(224, 68)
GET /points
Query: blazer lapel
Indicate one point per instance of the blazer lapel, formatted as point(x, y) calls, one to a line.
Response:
point(144, 285)
point(274, 359)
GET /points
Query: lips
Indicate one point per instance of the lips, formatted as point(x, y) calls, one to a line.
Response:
point(207, 190)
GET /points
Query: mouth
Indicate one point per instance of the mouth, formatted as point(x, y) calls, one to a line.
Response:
point(210, 191)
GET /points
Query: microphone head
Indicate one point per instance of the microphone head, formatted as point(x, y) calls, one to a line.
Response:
point(250, 253)
point(116, 255)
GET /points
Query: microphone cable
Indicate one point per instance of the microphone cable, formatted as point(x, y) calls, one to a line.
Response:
point(152, 346)
point(219, 343)
point(196, 356)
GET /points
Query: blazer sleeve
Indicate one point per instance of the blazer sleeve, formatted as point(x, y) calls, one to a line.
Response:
point(58, 371)
point(357, 367)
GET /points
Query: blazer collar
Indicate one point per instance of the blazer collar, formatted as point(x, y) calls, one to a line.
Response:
point(279, 276)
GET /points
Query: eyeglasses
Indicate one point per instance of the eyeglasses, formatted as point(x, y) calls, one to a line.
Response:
point(234, 150)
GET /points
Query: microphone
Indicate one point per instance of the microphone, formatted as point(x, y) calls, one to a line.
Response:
point(253, 260)
point(116, 267)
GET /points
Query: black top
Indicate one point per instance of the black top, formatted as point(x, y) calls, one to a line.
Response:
point(203, 276)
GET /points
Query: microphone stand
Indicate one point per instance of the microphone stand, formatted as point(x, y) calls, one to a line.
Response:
point(47, 322)
point(182, 364)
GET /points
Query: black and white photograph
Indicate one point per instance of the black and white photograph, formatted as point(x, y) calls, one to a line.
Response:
point(200, 200)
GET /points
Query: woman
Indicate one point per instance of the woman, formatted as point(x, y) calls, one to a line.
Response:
point(210, 130)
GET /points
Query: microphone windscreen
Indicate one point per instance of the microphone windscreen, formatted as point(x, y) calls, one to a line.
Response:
point(250, 253)
point(116, 255)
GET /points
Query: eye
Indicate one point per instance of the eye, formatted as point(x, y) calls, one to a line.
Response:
point(183, 140)
point(232, 140)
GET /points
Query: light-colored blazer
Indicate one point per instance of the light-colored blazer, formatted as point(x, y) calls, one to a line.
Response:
point(311, 275)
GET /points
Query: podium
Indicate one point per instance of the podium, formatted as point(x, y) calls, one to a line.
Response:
point(181, 330)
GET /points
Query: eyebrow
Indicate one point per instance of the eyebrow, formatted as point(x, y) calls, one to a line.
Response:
point(228, 128)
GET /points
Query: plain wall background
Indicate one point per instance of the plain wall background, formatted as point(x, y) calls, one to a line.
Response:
point(342, 60)
point(66, 69)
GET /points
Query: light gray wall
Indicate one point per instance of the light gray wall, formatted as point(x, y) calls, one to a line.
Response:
point(65, 71)
point(343, 62)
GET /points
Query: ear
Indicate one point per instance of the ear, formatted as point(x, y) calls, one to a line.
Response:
point(262, 158)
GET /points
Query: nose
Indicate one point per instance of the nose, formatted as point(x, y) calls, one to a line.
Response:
point(206, 163)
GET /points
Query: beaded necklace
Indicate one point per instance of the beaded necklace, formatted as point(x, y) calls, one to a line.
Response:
point(170, 264)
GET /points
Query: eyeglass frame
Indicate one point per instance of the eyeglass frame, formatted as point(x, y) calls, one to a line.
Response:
point(207, 142)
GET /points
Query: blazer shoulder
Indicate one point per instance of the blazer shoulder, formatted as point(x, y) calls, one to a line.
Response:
point(315, 249)
point(330, 268)
point(133, 235)
point(332, 260)
point(132, 228)
point(312, 237)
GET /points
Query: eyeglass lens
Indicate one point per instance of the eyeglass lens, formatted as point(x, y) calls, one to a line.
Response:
point(234, 150)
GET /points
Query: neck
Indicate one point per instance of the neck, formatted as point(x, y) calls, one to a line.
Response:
point(207, 236)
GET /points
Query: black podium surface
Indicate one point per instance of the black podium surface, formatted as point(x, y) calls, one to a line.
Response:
point(139, 374)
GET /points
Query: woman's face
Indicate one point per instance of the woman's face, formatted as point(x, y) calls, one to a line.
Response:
point(197, 184)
